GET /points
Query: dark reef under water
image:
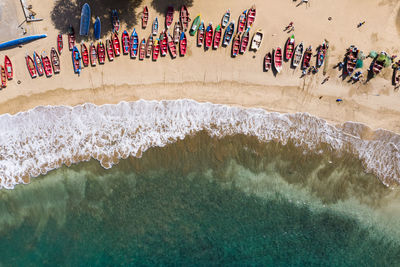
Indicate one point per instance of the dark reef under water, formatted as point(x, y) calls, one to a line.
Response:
point(203, 201)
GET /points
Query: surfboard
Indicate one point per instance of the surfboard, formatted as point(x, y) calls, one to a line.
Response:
point(85, 20)
point(97, 29)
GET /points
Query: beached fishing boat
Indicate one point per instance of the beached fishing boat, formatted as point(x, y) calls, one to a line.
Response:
point(76, 60)
point(321, 54)
point(110, 50)
point(183, 44)
point(71, 37)
point(9, 68)
point(3, 77)
point(251, 16)
point(55, 60)
point(396, 77)
point(245, 41)
point(134, 44)
point(31, 66)
point(257, 40)
point(93, 55)
point(125, 42)
point(145, 17)
point(225, 18)
point(116, 44)
point(97, 29)
point(351, 60)
point(47, 65)
point(217, 37)
point(115, 20)
point(154, 28)
point(156, 49)
point(85, 20)
point(184, 18)
point(242, 21)
point(289, 48)
point(195, 25)
point(236, 45)
point(84, 55)
point(298, 55)
point(208, 36)
point(228, 34)
point(177, 32)
point(267, 61)
point(60, 43)
point(379, 62)
point(38, 64)
point(21, 41)
point(200, 34)
point(172, 47)
point(149, 46)
point(307, 58)
point(169, 18)
point(142, 49)
point(278, 58)
point(101, 52)
point(163, 44)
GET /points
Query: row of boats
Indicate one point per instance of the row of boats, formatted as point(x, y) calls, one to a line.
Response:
point(6, 72)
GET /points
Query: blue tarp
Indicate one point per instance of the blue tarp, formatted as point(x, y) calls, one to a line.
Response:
point(21, 40)
point(85, 20)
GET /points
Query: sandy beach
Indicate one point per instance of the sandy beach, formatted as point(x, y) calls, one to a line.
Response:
point(214, 76)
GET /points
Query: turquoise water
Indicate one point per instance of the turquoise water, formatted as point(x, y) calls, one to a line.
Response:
point(204, 201)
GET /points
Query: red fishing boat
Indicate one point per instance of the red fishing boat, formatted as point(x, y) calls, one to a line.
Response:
point(142, 49)
point(251, 16)
point(145, 17)
point(115, 20)
point(9, 68)
point(84, 55)
point(236, 45)
point(47, 65)
point(164, 43)
point(169, 17)
point(3, 77)
point(183, 44)
point(217, 37)
point(125, 42)
point(156, 49)
point(242, 21)
point(101, 52)
point(209, 36)
point(55, 60)
point(71, 37)
point(307, 58)
point(278, 58)
point(149, 46)
point(200, 34)
point(93, 54)
point(267, 61)
point(184, 18)
point(31, 66)
point(110, 50)
point(60, 43)
point(245, 41)
point(172, 46)
point(289, 48)
point(38, 64)
point(116, 44)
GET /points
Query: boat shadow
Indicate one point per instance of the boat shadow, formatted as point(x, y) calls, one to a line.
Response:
point(161, 6)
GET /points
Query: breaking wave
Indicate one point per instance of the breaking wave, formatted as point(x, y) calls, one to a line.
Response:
point(44, 138)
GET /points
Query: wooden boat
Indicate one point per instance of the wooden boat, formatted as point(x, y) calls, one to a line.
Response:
point(154, 28)
point(183, 44)
point(245, 41)
point(156, 49)
point(177, 32)
point(55, 60)
point(115, 20)
point(38, 64)
point(236, 45)
point(9, 68)
point(145, 17)
point(172, 46)
point(142, 49)
point(289, 48)
point(208, 36)
point(76, 60)
point(225, 18)
point(163, 43)
point(217, 37)
point(60, 43)
point(116, 44)
point(125, 42)
point(20, 41)
point(298, 55)
point(31, 66)
point(133, 44)
point(149, 46)
point(169, 18)
point(200, 34)
point(110, 50)
point(396, 77)
point(93, 55)
point(195, 25)
point(47, 65)
point(71, 37)
point(257, 40)
point(228, 33)
point(351, 60)
point(184, 18)
point(85, 20)
point(242, 21)
point(307, 58)
point(84, 55)
point(3, 77)
point(97, 29)
point(378, 63)
point(267, 61)
point(278, 58)
point(251, 16)
point(321, 54)
point(101, 52)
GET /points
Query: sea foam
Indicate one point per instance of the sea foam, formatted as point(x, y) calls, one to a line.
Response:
point(44, 138)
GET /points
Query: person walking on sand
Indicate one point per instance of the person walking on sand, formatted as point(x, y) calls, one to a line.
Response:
point(289, 26)
point(360, 24)
point(325, 80)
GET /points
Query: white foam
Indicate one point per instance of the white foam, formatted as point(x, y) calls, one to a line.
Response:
point(42, 139)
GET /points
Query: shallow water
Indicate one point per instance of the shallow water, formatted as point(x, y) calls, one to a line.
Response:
point(205, 201)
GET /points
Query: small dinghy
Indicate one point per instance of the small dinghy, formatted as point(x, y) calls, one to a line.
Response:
point(228, 34)
point(116, 44)
point(125, 43)
point(101, 52)
point(183, 44)
point(31, 66)
point(47, 65)
point(93, 55)
point(110, 50)
point(245, 41)
point(289, 48)
point(142, 49)
point(163, 43)
point(184, 18)
point(76, 60)
point(9, 68)
point(177, 32)
point(172, 47)
point(200, 34)
point(85, 55)
point(251, 16)
point(156, 49)
point(278, 58)
point(55, 60)
point(38, 64)
point(154, 28)
point(209, 36)
point(133, 44)
point(145, 17)
point(257, 40)
point(217, 37)
point(169, 18)
point(149, 46)
point(195, 25)
point(60, 43)
point(267, 61)
point(115, 20)
point(307, 58)
point(321, 54)
point(71, 37)
point(298, 55)
point(3, 77)
point(242, 21)
point(236, 45)
point(225, 18)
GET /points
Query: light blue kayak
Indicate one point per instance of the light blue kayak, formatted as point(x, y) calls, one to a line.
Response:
point(21, 41)
point(97, 28)
point(85, 20)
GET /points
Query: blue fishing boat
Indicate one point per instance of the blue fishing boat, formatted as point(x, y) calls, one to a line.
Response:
point(97, 28)
point(115, 20)
point(134, 44)
point(228, 33)
point(155, 27)
point(22, 40)
point(85, 20)
point(76, 60)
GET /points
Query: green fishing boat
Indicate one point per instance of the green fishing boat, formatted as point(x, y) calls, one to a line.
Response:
point(195, 25)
